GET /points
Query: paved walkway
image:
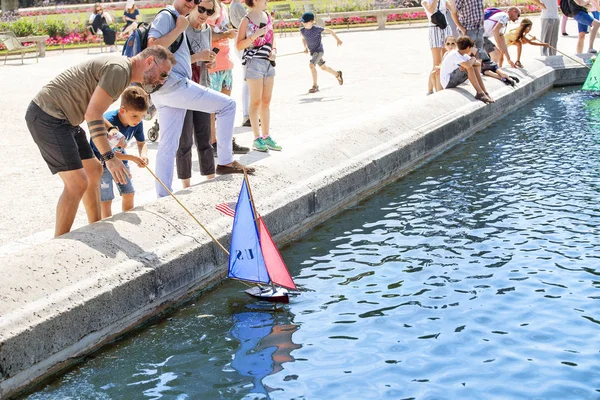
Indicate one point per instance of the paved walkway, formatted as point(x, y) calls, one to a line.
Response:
point(379, 67)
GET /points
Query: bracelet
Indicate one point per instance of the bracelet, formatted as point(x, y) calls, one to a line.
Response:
point(111, 128)
point(109, 155)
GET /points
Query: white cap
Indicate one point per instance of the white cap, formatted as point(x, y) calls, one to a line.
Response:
point(129, 4)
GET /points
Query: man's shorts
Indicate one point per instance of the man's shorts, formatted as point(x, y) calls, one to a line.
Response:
point(106, 185)
point(258, 68)
point(221, 80)
point(317, 58)
point(62, 145)
point(456, 78)
point(584, 20)
point(488, 46)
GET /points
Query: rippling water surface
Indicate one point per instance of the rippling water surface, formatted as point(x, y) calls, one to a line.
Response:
point(475, 277)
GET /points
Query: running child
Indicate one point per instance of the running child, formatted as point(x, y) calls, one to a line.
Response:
point(124, 124)
point(312, 39)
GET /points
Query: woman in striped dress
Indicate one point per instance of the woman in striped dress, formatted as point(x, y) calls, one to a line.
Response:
point(437, 36)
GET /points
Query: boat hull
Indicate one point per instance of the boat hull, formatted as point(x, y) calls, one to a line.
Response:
point(279, 295)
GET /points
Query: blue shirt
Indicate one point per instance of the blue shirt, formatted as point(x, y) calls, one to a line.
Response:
point(128, 131)
point(162, 24)
point(313, 38)
point(133, 15)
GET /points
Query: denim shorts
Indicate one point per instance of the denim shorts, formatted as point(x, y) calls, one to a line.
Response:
point(258, 68)
point(584, 20)
point(221, 80)
point(106, 185)
point(317, 58)
point(457, 77)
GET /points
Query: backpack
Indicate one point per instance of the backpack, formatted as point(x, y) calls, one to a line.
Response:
point(138, 39)
point(564, 7)
point(570, 8)
point(489, 12)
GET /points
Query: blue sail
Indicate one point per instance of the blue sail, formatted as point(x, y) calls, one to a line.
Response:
point(245, 256)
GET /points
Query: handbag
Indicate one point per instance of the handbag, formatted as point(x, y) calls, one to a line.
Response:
point(438, 18)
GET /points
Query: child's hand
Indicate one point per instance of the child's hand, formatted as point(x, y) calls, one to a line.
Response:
point(145, 160)
point(139, 161)
point(339, 42)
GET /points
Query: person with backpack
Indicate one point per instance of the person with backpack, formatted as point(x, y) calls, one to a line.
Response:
point(180, 93)
point(578, 10)
point(495, 22)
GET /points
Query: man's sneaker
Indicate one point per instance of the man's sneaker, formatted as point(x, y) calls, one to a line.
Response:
point(237, 149)
point(246, 122)
point(214, 146)
point(259, 144)
point(271, 144)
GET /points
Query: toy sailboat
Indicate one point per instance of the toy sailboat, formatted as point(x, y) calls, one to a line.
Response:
point(253, 256)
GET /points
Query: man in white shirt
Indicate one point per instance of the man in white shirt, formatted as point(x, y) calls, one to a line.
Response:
point(459, 65)
point(495, 26)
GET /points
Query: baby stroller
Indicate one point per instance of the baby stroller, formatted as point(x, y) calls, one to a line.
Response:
point(152, 132)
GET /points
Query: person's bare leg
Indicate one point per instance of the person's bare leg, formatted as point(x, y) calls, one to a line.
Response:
point(265, 105)
point(75, 185)
point(519, 49)
point(580, 40)
point(106, 209)
point(594, 32)
point(91, 197)
point(313, 71)
point(127, 202)
point(255, 87)
point(473, 80)
point(477, 69)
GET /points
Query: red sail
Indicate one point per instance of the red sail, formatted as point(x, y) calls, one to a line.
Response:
point(276, 268)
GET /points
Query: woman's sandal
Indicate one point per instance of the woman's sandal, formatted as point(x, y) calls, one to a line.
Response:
point(518, 64)
point(339, 78)
point(313, 89)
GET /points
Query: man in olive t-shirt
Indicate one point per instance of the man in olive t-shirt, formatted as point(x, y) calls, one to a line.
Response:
point(84, 92)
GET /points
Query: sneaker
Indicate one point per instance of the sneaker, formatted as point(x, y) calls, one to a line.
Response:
point(259, 144)
point(565, 34)
point(246, 122)
point(237, 149)
point(592, 51)
point(214, 146)
point(313, 89)
point(271, 144)
point(514, 78)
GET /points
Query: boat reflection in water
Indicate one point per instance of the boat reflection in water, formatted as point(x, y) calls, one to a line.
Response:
point(265, 345)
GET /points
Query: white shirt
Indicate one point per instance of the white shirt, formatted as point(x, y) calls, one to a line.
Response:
point(452, 60)
point(490, 23)
point(551, 10)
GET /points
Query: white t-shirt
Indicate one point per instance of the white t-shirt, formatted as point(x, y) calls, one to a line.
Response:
point(490, 23)
point(452, 60)
point(551, 10)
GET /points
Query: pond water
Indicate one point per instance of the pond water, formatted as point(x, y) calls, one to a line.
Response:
point(477, 276)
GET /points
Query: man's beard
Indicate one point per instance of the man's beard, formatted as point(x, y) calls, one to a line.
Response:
point(147, 84)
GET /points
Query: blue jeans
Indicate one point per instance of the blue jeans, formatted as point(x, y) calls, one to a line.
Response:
point(106, 185)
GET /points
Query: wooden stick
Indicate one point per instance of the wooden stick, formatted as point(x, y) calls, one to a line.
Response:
point(250, 192)
point(188, 211)
point(558, 51)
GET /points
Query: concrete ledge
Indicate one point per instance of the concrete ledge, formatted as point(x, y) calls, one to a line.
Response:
point(67, 297)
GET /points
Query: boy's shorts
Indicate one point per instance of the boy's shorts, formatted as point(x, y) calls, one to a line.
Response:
point(456, 78)
point(317, 58)
point(221, 80)
point(62, 145)
point(258, 68)
point(106, 185)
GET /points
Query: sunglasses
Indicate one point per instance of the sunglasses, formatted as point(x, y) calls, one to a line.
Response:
point(196, 2)
point(208, 11)
point(450, 44)
point(162, 75)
